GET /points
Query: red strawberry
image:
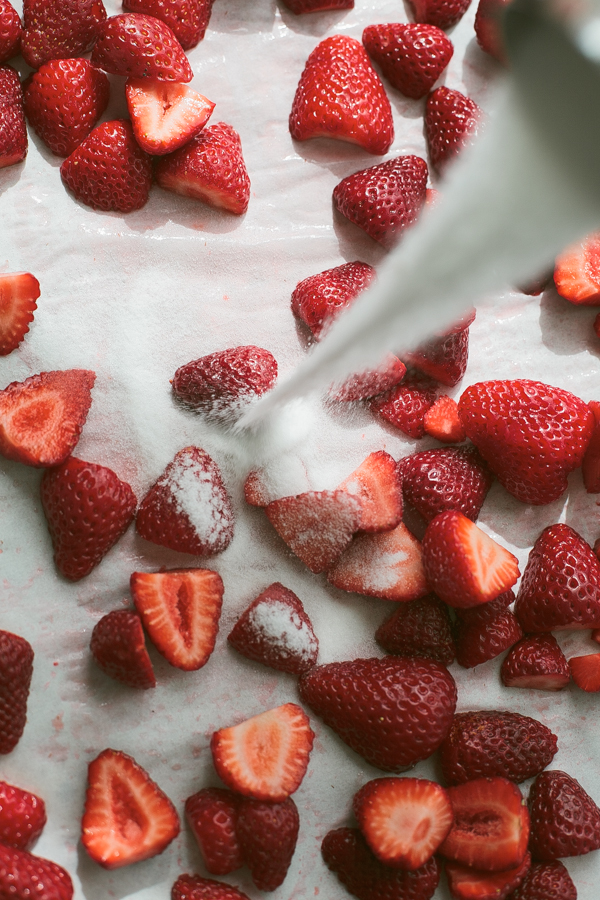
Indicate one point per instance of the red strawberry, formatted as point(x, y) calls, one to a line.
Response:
point(536, 662)
point(165, 115)
point(370, 382)
point(546, 881)
point(212, 814)
point(25, 875)
point(590, 467)
point(420, 628)
point(187, 19)
point(437, 480)
point(443, 13)
point(488, 28)
point(577, 272)
point(10, 31)
point(108, 170)
point(393, 711)
point(119, 648)
point(13, 130)
point(317, 526)
point(308, 6)
point(565, 821)
point(488, 743)
point(180, 610)
point(267, 833)
point(59, 30)
point(385, 199)
point(485, 632)
point(188, 509)
point(442, 358)
point(452, 121)
point(403, 820)
point(406, 405)
point(378, 487)
point(63, 101)
point(140, 46)
point(340, 96)
point(346, 853)
point(412, 57)
point(194, 887)
point(18, 293)
point(266, 756)
point(210, 168)
point(41, 418)
point(276, 631)
point(531, 435)
point(126, 818)
point(16, 669)
point(560, 587)
point(491, 825)
point(471, 884)
point(463, 565)
point(226, 377)
point(585, 671)
point(442, 422)
point(319, 299)
point(284, 478)
point(387, 565)
point(88, 508)
point(22, 816)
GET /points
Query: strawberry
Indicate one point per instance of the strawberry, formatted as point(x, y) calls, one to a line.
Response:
point(443, 13)
point(13, 130)
point(471, 884)
point(488, 743)
point(194, 887)
point(560, 587)
point(377, 486)
point(16, 669)
point(585, 671)
point(484, 632)
point(488, 28)
point(406, 405)
point(18, 293)
point(118, 647)
point(165, 115)
point(187, 19)
point(463, 565)
point(180, 609)
point(536, 662)
point(283, 478)
point(25, 875)
point(211, 814)
point(530, 434)
point(370, 382)
point(319, 299)
point(546, 881)
point(225, 378)
point(590, 467)
point(188, 509)
point(266, 756)
point(387, 565)
point(385, 199)
point(308, 6)
point(393, 711)
point(317, 526)
point(442, 422)
point(210, 168)
point(403, 820)
point(340, 96)
point(565, 821)
point(63, 101)
point(41, 418)
point(491, 825)
point(437, 480)
point(577, 272)
point(442, 358)
point(140, 46)
point(412, 57)
point(346, 853)
point(10, 31)
point(87, 508)
point(267, 833)
point(22, 817)
point(452, 121)
point(419, 628)
point(108, 170)
point(126, 817)
point(276, 631)
point(59, 30)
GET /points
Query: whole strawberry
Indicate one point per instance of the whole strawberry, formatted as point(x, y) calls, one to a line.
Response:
point(59, 30)
point(22, 816)
point(194, 887)
point(419, 628)
point(10, 31)
point(226, 377)
point(140, 46)
point(565, 821)
point(443, 13)
point(319, 299)
point(16, 669)
point(187, 19)
point(444, 358)
point(25, 875)
point(13, 130)
point(452, 121)
point(412, 57)
point(267, 833)
point(546, 881)
point(445, 478)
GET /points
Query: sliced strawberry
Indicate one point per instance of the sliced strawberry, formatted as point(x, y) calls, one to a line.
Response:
point(489, 30)
point(22, 816)
point(187, 19)
point(442, 422)
point(404, 820)
point(590, 467)
point(265, 757)
point(406, 405)
point(471, 884)
point(437, 480)
point(119, 648)
point(41, 418)
point(126, 818)
point(412, 57)
point(300, 7)
point(165, 115)
point(140, 46)
point(565, 821)
point(194, 887)
point(225, 378)
point(546, 881)
point(536, 662)
point(452, 122)
point(484, 632)
point(577, 272)
point(10, 31)
point(463, 565)
point(211, 814)
point(18, 293)
point(25, 875)
point(13, 134)
point(285, 477)
point(443, 13)
point(419, 628)
point(442, 358)
point(585, 671)
point(319, 299)
point(16, 669)
point(378, 487)
point(267, 833)
point(59, 30)
point(370, 382)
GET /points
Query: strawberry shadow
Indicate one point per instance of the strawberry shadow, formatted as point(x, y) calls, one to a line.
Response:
point(519, 524)
point(153, 878)
point(340, 157)
point(10, 175)
point(354, 243)
point(566, 328)
point(227, 15)
point(480, 71)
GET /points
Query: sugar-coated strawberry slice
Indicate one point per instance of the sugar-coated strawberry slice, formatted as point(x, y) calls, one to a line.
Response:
point(442, 358)
point(489, 30)
point(140, 46)
point(546, 881)
point(442, 422)
point(187, 19)
point(223, 379)
point(463, 565)
point(59, 30)
point(24, 875)
point(419, 628)
point(267, 833)
point(285, 477)
point(211, 814)
point(13, 134)
point(565, 821)
point(485, 633)
point(577, 272)
point(370, 382)
point(299, 7)
point(18, 293)
point(194, 887)
point(388, 565)
point(340, 95)
point(452, 122)
point(16, 669)
point(41, 418)
point(319, 299)
point(22, 816)
point(465, 883)
point(266, 756)
point(378, 487)
point(180, 609)
point(437, 480)
point(403, 820)
point(585, 671)
point(10, 31)
point(491, 825)
point(443, 13)
point(119, 648)
point(126, 817)
point(537, 663)
point(165, 115)
point(412, 57)
point(406, 405)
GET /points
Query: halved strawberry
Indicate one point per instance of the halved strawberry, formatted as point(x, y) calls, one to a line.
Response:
point(590, 467)
point(13, 134)
point(180, 610)
point(22, 816)
point(472, 884)
point(434, 481)
point(119, 648)
point(211, 814)
point(419, 628)
point(187, 19)
point(377, 486)
point(285, 477)
point(267, 833)
point(59, 30)
point(565, 820)
point(546, 881)
point(443, 358)
point(443, 13)
point(412, 57)
point(406, 405)
point(484, 632)
point(265, 757)
point(585, 671)
point(18, 293)
point(452, 121)
point(536, 662)
point(319, 299)
point(194, 887)
point(489, 30)
point(299, 7)
point(140, 46)
point(11, 31)
point(24, 875)
point(126, 818)
point(577, 272)
point(442, 421)
point(370, 382)
point(165, 115)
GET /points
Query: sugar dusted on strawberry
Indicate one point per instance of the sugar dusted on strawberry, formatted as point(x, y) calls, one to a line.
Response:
point(565, 820)
point(452, 121)
point(411, 57)
point(13, 130)
point(442, 422)
point(443, 13)
point(11, 30)
point(187, 19)
point(16, 669)
point(378, 487)
point(24, 875)
point(119, 649)
point(211, 814)
point(370, 382)
point(18, 293)
point(319, 299)
point(419, 628)
point(59, 30)
point(536, 662)
point(226, 378)
point(443, 358)
point(140, 46)
point(267, 833)
point(285, 476)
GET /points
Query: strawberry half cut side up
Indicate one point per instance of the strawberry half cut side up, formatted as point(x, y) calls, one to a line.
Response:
point(24, 875)
point(126, 818)
point(18, 293)
point(577, 272)
point(119, 648)
point(378, 487)
point(211, 814)
point(140, 46)
point(442, 421)
point(165, 115)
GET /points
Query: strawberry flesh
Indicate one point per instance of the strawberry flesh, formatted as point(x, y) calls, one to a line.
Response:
point(412, 57)
point(378, 487)
point(471, 884)
point(319, 299)
point(18, 293)
point(565, 821)
point(22, 817)
point(165, 115)
point(267, 833)
point(442, 422)
point(140, 46)
point(119, 648)
point(577, 272)
point(585, 672)
point(16, 669)
point(536, 662)
point(211, 814)
point(419, 628)
point(13, 129)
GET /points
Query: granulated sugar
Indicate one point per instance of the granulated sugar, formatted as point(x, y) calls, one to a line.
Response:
point(280, 625)
point(196, 487)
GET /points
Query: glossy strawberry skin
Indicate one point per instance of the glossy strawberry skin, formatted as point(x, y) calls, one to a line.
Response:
point(187, 19)
point(437, 480)
point(59, 30)
point(370, 382)
point(211, 814)
point(194, 887)
point(442, 358)
point(18, 293)
point(119, 648)
point(22, 817)
point(267, 833)
point(412, 57)
point(536, 662)
point(483, 633)
point(443, 13)
point(25, 875)
point(565, 821)
point(13, 131)
point(488, 28)
point(319, 299)
point(419, 628)
point(452, 121)
point(140, 46)
point(546, 881)
point(405, 405)
point(16, 669)
point(10, 31)
point(225, 376)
